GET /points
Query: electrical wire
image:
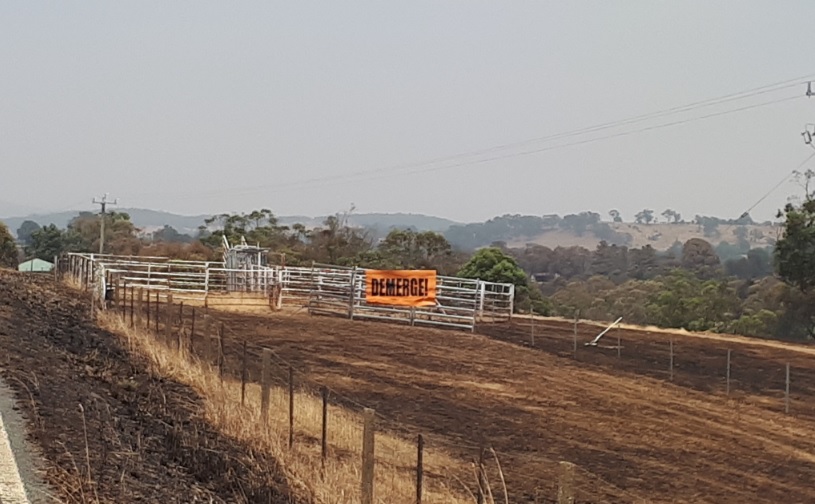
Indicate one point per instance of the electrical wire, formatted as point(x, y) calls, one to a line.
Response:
point(590, 140)
point(778, 86)
point(776, 186)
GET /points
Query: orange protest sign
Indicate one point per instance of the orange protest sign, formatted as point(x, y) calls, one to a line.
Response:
point(401, 287)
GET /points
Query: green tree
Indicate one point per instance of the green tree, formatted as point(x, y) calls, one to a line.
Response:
point(169, 234)
point(615, 215)
point(795, 250)
point(699, 256)
point(644, 217)
point(795, 263)
point(672, 215)
point(120, 233)
point(493, 265)
point(406, 248)
point(610, 261)
point(580, 223)
point(710, 225)
point(533, 258)
point(26, 229)
point(51, 241)
point(756, 264)
point(336, 242)
point(8, 249)
point(259, 227)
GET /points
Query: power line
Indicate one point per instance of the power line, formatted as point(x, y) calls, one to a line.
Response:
point(614, 135)
point(590, 129)
point(590, 140)
point(778, 86)
point(318, 182)
point(776, 186)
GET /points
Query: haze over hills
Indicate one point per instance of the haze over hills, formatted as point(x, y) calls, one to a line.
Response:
point(514, 230)
point(142, 218)
point(660, 236)
point(150, 220)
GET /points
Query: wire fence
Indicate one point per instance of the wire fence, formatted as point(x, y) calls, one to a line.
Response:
point(770, 374)
point(310, 414)
point(767, 376)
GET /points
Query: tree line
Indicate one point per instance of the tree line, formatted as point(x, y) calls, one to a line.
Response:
point(508, 228)
point(693, 285)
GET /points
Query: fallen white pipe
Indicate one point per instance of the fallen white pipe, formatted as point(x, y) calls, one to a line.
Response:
point(607, 329)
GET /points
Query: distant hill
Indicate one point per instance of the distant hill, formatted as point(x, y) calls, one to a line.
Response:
point(142, 218)
point(150, 220)
point(515, 230)
point(402, 220)
point(660, 236)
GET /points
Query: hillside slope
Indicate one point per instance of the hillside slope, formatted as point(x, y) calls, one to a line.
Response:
point(92, 405)
point(659, 236)
point(151, 220)
point(634, 436)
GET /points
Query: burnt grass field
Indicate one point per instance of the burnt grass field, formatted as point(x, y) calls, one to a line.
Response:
point(636, 436)
point(146, 439)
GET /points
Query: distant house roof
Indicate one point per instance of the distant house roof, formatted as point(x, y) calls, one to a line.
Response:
point(35, 265)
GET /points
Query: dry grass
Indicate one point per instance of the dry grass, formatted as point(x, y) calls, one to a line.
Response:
point(339, 481)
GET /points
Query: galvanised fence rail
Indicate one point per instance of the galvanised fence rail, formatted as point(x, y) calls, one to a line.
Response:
point(321, 289)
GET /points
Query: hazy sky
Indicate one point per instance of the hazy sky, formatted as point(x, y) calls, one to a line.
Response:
point(307, 107)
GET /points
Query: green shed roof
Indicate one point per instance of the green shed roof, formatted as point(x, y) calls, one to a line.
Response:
point(35, 265)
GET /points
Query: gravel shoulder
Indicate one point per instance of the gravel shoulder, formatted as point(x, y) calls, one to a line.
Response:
point(26, 466)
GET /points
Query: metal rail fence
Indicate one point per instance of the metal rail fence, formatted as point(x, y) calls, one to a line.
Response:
point(323, 289)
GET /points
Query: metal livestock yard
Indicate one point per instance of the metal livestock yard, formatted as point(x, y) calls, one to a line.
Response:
point(321, 289)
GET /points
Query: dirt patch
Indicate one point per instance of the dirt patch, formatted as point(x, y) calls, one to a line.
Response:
point(109, 428)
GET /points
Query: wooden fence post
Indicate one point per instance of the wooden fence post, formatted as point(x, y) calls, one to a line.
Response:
point(367, 496)
point(265, 378)
point(221, 360)
point(168, 321)
point(565, 490)
point(671, 365)
point(353, 293)
point(787, 391)
point(132, 302)
point(141, 306)
point(93, 305)
point(205, 351)
point(532, 326)
point(243, 374)
point(158, 311)
point(192, 321)
point(728, 372)
point(324, 441)
point(574, 338)
point(178, 345)
point(419, 468)
point(291, 407)
point(123, 302)
point(619, 345)
point(148, 310)
point(480, 496)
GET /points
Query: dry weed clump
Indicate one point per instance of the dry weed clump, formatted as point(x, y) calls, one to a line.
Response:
point(337, 480)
